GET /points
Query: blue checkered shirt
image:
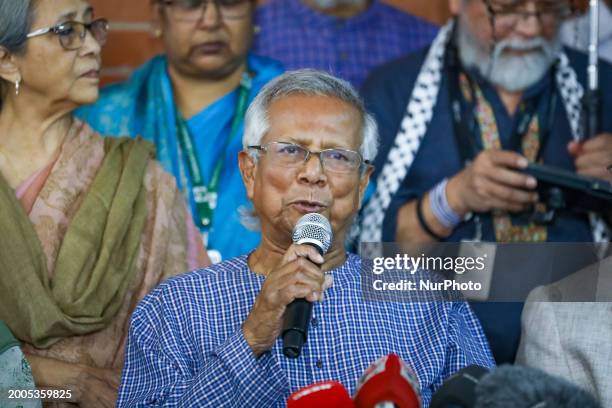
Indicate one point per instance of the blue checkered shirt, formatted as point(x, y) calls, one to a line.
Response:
point(186, 348)
point(301, 37)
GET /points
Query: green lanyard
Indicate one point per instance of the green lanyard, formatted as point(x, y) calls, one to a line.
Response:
point(205, 196)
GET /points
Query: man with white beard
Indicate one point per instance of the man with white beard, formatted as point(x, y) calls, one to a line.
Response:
point(458, 123)
point(344, 37)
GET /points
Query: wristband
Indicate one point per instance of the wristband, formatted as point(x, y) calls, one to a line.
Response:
point(422, 222)
point(440, 207)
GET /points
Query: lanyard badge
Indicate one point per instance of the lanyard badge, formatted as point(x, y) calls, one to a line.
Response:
point(206, 202)
point(205, 195)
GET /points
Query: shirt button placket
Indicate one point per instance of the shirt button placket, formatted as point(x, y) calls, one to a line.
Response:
point(318, 361)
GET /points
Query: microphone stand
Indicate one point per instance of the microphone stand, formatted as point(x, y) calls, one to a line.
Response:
point(591, 101)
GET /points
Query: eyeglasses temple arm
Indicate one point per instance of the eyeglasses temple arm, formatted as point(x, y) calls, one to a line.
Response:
point(42, 31)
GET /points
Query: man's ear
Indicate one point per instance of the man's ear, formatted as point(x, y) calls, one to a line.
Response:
point(364, 180)
point(9, 71)
point(248, 171)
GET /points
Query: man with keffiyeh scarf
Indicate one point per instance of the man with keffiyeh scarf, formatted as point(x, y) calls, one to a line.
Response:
point(459, 122)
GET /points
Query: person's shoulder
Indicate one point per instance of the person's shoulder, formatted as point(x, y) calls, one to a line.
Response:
point(223, 273)
point(582, 286)
point(232, 269)
point(201, 286)
point(397, 76)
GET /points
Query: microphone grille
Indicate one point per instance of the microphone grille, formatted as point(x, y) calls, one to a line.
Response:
point(313, 228)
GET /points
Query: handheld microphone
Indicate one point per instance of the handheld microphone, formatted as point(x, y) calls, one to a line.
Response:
point(388, 382)
point(326, 394)
point(509, 387)
point(312, 229)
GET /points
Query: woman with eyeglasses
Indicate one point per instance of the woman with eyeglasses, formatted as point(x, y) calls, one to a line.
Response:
point(88, 225)
point(191, 103)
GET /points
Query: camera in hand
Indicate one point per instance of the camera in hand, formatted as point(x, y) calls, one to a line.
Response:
point(563, 190)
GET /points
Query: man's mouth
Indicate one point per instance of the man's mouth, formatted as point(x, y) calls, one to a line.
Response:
point(307, 206)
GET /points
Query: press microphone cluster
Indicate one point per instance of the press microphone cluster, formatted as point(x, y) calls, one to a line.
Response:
point(509, 387)
point(391, 383)
point(314, 230)
point(387, 383)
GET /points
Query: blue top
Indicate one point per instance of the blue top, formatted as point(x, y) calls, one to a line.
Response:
point(349, 48)
point(186, 348)
point(145, 106)
point(386, 93)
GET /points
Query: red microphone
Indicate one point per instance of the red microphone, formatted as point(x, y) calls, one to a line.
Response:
point(388, 382)
point(326, 394)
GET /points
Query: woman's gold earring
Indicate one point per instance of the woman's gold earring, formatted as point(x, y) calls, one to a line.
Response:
point(17, 83)
point(157, 33)
point(256, 29)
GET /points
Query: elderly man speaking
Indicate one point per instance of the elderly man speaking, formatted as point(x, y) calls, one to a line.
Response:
point(211, 337)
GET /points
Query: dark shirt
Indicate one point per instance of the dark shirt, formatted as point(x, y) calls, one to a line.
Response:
point(387, 92)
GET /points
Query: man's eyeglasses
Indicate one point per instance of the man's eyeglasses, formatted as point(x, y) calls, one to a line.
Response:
point(293, 155)
point(193, 10)
point(506, 13)
point(72, 34)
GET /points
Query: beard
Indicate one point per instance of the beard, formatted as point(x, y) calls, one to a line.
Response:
point(327, 4)
point(513, 73)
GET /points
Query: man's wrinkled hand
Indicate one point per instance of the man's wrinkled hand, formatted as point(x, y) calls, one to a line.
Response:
point(298, 276)
point(492, 181)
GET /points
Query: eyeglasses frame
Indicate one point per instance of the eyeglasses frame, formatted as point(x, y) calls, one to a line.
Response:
point(362, 165)
point(55, 28)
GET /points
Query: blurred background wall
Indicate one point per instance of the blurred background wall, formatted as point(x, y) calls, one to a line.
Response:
point(131, 42)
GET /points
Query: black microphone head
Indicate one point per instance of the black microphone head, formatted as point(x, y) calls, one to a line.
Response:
point(526, 387)
point(459, 390)
point(315, 230)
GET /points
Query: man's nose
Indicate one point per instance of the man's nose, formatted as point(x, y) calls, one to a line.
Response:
point(312, 170)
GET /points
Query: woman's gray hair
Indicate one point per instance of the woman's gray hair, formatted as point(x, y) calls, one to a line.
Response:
point(312, 83)
point(308, 82)
point(16, 18)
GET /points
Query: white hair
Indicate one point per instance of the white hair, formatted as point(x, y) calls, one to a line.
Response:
point(312, 83)
point(308, 82)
